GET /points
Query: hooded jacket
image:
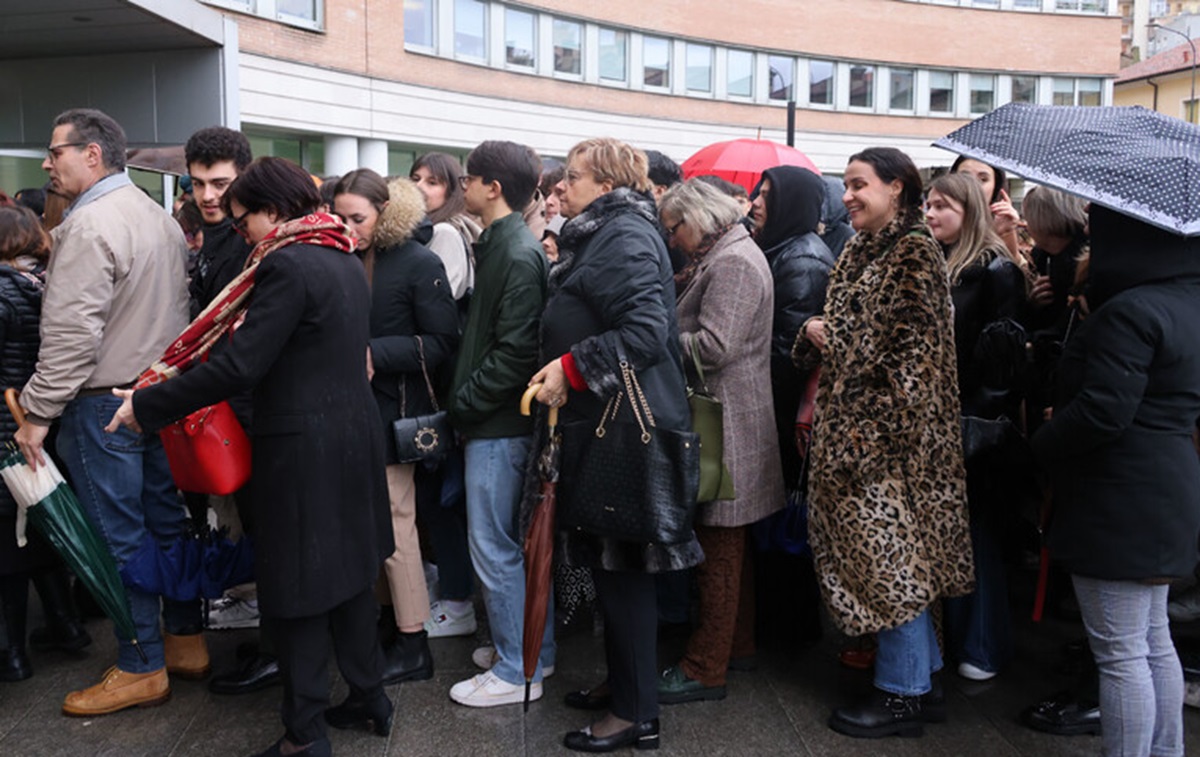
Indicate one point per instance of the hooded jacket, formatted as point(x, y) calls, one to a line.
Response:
point(835, 217)
point(410, 298)
point(1119, 445)
point(800, 265)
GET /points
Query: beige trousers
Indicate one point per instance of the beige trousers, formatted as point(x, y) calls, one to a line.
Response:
point(403, 571)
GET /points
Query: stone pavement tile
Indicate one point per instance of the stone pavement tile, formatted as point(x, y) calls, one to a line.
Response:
point(428, 723)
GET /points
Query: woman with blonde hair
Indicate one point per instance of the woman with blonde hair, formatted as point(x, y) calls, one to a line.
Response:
point(611, 305)
point(725, 295)
point(988, 291)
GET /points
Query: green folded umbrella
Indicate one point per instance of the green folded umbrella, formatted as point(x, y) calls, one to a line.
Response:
point(44, 499)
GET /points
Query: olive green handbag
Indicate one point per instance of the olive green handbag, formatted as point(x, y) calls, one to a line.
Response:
point(708, 422)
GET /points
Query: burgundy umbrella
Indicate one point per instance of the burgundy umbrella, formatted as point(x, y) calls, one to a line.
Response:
point(743, 161)
point(539, 543)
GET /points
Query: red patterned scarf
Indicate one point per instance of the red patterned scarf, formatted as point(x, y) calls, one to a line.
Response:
point(226, 311)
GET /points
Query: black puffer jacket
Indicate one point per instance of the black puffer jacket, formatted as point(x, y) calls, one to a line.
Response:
point(20, 314)
point(800, 266)
point(986, 293)
point(410, 298)
point(1119, 445)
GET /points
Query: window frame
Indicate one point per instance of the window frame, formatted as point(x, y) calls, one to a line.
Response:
point(484, 33)
point(832, 89)
point(625, 61)
point(580, 52)
point(667, 42)
point(912, 90)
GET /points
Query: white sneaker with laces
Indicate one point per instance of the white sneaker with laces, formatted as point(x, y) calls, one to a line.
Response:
point(974, 672)
point(444, 621)
point(486, 690)
point(233, 613)
point(486, 657)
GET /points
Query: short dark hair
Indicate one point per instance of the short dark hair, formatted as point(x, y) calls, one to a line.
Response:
point(516, 167)
point(217, 143)
point(891, 165)
point(189, 218)
point(94, 126)
point(999, 177)
point(663, 171)
point(366, 184)
point(550, 178)
point(327, 189)
point(446, 169)
point(33, 198)
point(274, 184)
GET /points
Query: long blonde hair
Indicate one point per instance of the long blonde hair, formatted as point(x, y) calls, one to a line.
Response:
point(977, 240)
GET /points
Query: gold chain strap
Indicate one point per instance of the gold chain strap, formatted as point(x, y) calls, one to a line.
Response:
point(632, 389)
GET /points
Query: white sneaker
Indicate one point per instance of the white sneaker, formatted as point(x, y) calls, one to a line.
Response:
point(444, 621)
point(974, 672)
point(485, 658)
point(233, 613)
point(486, 690)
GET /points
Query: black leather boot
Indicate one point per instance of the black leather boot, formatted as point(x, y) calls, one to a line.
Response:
point(409, 659)
point(881, 714)
point(352, 713)
point(14, 596)
point(62, 630)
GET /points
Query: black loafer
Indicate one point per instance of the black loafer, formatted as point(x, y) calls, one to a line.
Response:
point(376, 714)
point(882, 714)
point(1063, 714)
point(588, 699)
point(254, 674)
point(638, 736)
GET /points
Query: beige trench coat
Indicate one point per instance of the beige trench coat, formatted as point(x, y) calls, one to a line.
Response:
point(727, 308)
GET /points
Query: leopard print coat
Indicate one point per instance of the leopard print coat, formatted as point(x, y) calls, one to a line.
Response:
point(887, 489)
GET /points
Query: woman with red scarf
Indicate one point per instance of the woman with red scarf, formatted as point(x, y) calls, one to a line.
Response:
point(297, 320)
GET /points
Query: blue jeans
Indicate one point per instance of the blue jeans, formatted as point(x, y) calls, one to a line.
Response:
point(978, 626)
point(907, 656)
point(125, 486)
point(1141, 680)
point(495, 480)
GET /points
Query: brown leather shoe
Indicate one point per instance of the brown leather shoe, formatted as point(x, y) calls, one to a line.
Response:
point(186, 656)
point(118, 691)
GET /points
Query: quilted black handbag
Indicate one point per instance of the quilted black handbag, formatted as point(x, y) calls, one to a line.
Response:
point(633, 482)
point(422, 438)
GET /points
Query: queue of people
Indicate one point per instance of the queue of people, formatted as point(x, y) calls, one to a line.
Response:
point(941, 357)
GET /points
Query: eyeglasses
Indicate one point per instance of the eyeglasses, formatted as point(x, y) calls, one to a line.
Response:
point(574, 176)
point(672, 229)
point(464, 180)
point(54, 152)
point(239, 224)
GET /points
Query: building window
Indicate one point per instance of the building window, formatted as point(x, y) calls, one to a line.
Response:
point(862, 86)
point(820, 82)
point(699, 68)
point(470, 29)
point(1024, 89)
point(301, 9)
point(613, 54)
point(901, 90)
point(1090, 92)
point(781, 75)
point(983, 93)
point(739, 73)
point(418, 22)
point(519, 38)
point(656, 62)
point(1087, 6)
point(941, 92)
point(1064, 92)
point(568, 47)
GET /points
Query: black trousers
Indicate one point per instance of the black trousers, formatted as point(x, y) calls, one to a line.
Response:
point(303, 646)
point(629, 603)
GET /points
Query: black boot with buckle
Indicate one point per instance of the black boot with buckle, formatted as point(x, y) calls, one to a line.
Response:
point(882, 714)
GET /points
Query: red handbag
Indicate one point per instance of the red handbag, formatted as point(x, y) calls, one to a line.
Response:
point(208, 451)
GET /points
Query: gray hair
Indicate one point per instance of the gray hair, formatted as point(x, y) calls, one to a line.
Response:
point(93, 126)
point(701, 206)
point(1058, 214)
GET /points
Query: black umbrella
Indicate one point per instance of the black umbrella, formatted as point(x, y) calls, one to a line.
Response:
point(1129, 159)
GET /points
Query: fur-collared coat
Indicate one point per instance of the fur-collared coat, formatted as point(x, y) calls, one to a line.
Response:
point(723, 309)
point(887, 491)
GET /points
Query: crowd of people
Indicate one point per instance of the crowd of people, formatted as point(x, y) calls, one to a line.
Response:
point(967, 374)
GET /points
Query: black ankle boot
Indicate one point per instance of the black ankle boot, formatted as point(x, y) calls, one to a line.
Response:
point(408, 659)
point(14, 597)
point(63, 630)
point(376, 713)
point(881, 714)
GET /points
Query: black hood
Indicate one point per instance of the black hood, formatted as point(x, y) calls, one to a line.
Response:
point(793, 204)
point(1127, 253)
point(834, 210)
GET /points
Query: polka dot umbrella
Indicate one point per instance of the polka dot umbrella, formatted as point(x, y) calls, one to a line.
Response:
point(1129, 159)
point(743, 161)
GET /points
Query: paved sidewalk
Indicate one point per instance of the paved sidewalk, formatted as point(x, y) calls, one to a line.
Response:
point(780, 709)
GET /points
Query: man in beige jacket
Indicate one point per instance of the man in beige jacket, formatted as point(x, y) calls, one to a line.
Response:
point(116, 296)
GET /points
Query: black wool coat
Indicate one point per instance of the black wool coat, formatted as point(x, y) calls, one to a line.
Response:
point(1119, 445)
point(322, 521)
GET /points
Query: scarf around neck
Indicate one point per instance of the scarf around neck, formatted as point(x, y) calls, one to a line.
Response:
point(695, 258)
point(580, 229)
point(225, 313)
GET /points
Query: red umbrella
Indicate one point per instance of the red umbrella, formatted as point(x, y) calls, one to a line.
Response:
point(742, 161)
point(539, 543)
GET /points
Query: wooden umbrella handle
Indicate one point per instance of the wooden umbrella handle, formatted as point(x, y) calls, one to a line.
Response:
point(527, 403)
point(10, 398)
